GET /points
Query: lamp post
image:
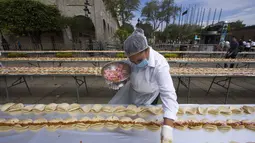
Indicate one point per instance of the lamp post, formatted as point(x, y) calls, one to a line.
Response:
point(86, 10)
point(138, 23)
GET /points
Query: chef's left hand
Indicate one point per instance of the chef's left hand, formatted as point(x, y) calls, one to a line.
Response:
point(166, 134)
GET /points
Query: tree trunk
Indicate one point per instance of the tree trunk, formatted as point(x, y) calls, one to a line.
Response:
point(36, 39)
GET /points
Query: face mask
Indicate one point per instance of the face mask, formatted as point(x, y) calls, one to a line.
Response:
point(142, 64)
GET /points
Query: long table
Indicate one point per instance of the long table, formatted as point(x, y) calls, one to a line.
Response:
point(126, 136)
point(80, 73)
point(97, 60)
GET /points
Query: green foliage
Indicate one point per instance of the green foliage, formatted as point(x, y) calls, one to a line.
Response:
point(122, 34)
point(157, 12)
point(64, 55)
point(120, 55)
point(148, 29)
point(122, 9)
point(128, 27)
point(171, 55)
point(15, 55)
point(236, 25)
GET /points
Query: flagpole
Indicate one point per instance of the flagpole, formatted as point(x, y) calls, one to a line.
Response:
point(220, 15)
point(208, 18)
point(203, 18)
point(214, 15)
point(180, 15)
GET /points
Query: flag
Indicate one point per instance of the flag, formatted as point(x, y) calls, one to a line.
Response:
point(185, 12)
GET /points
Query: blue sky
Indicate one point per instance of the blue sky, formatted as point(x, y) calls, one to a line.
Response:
point(232, 9)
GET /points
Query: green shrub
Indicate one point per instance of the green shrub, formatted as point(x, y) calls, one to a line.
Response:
point(15, 55)
point(64, 55)
point(171, 55)
point(120, 55)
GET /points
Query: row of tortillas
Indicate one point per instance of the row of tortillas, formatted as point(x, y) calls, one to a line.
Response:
point(83, 124)
point(130, 110)
point(211, 126)
point(224, 110)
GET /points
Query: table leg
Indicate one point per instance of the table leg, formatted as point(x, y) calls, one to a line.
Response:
point(210, 86)
point(6, 88)
point(178, 85)
point(77, 91)
point(188, 90)
point(229, 82)
point(85, 84)
point(27, 85)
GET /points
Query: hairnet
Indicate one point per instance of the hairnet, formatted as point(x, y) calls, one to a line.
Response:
point(135, 43)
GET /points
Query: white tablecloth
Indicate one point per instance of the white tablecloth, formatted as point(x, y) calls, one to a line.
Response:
point(134, 136)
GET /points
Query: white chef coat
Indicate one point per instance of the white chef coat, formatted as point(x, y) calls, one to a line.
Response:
point(146, 84)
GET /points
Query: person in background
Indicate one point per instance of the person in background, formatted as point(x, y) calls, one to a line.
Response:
point(252, 45)
point(241, 45)
point(149, 80)
point(0, 62)
point(248, 46)
point(232, 51)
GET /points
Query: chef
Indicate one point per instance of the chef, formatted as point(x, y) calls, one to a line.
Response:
point(149, 80)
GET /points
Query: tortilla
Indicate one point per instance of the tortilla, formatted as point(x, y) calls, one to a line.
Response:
point(50, 107)
point(86, 108)
point(156, 110)
point(16, 107)
point(213, 111)
point(248, 109)
point(63, 107)
point(39, 108)
point(5, 128)
point(119, 110)
point(69, 126)
point(125, 126)
point(53, 128)
point(82, 126)
point(139, 126)
point(131, 110)
point(99, 125)
point(107, 109)
point(2, 120)
point(28, 108)
point(143, 111)
point(179, 125)
point(224, 110)
point(224, 127)
point(236, 110)
point(237, 126)
point(195, 127)
point(111, 125)
point(12, 121)
point(74, 107)
point(37, 127)
point(23, 128)
point(250, 124)
point(191, 110)
point(181, 111)
point(208, 127)
point(6, 106)
point(202, 110)
point(96, 108)
point(153, 127)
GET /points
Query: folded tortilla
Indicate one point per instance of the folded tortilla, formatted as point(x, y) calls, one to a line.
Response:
point(69, 126)
point(6, 106)
point(139, 126)
point(16, 107)
point(83, 126)
point(224, 127)
point(213, 111)
point(153, 127)
point(99, 125)
point(86, 108)
point(74, 107)
point(143, 111)
point(236, 110)
point(208, 127)
point(181, 111)
point(191, 110)
point(24, 127)
point(50, 107)
point(107, 109)
point(96, 108)
point(2, 120)
point(28, 108)
point(63, 107)
point(119, 110)
point(195, 127)
point(38, 127)
point(202, 110)
point(125, 126)
point(12, 121)
point(53, 128)
point(225, 110)
point(180, 125)
point(236, 126)
point(131, 110)
point(39, 108)
point(248, 109)
point(156, 110)
point(112, 125)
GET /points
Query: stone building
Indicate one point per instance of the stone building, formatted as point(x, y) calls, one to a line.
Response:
point(99, 26)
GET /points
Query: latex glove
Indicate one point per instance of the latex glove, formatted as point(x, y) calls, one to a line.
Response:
point(166, 134)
